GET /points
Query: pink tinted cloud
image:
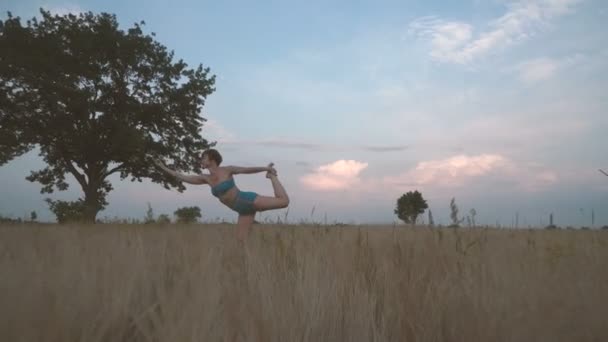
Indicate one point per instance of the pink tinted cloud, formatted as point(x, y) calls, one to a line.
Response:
point(464, 170)
point(453, 171)
point(338, 175)
point(494, 170)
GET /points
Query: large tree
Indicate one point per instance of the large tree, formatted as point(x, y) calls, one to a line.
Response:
point(409, 206)
point(96, 100)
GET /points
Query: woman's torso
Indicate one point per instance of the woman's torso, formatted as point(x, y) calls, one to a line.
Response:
point(227, 197)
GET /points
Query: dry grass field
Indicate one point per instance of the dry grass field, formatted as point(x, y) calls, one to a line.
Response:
point(301, 283)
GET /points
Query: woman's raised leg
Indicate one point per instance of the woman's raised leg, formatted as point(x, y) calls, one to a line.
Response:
point(280, 199)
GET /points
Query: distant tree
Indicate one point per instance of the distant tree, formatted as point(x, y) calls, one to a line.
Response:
point(163, 219)
point(33, 216)
point(149, 215)
point(409, 206)
point(8, 219)
point(431, 221)
point(188, 214)
point(473, 213)
point(454, 214)
point(551, 225)
point(96, 101)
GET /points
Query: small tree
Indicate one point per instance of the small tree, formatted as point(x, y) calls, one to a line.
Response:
point(473, 213)
point(67, 211)
point(188, 214)
point(409, 206)
point(149, 215)
point(431, 221)
point(33, 216)
point(454, 214)
point(163, 219)
point(551, 225)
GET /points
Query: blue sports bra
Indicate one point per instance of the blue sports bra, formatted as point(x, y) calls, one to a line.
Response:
point(222, 187)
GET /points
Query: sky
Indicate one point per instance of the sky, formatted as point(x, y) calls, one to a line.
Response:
point(500, 104)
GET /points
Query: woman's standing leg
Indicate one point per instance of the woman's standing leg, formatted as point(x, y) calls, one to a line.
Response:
point(243, 226)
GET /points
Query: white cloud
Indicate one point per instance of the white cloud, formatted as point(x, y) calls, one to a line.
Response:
point(454, 42)
point(537, 69)
point(214, 131)
point(541, 69)
point(65, 9)
point(445, 37)
point(489, 171)
point(464, 170)
point(453, 171)
point(338, 175)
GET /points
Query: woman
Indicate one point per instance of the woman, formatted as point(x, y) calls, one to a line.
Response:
point(246, 204)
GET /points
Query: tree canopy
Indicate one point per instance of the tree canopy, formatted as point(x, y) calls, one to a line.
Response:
point(409, 206)
point(96, 100)
point(188, 214)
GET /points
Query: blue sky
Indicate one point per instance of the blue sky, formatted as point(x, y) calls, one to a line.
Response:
point(501, 104)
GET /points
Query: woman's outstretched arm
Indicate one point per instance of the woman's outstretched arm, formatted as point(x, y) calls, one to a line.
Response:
point(195, 179)
point(248, 170)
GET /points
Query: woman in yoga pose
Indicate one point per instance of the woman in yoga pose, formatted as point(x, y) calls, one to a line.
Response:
point(246, 204)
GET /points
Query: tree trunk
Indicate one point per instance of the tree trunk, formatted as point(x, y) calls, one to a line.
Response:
point(90, 212)
point(92, 203)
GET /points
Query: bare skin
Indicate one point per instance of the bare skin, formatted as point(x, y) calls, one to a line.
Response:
point(218, 174)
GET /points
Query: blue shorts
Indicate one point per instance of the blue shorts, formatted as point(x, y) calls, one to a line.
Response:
point(244, 203)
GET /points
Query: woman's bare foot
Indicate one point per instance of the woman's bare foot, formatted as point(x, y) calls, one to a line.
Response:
point(272, 172)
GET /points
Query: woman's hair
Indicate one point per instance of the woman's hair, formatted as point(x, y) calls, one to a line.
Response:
point(214, 155)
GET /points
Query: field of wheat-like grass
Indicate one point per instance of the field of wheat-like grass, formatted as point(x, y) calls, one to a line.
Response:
point(301, 283)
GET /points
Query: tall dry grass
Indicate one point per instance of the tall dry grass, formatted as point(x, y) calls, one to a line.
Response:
point(196, 283)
